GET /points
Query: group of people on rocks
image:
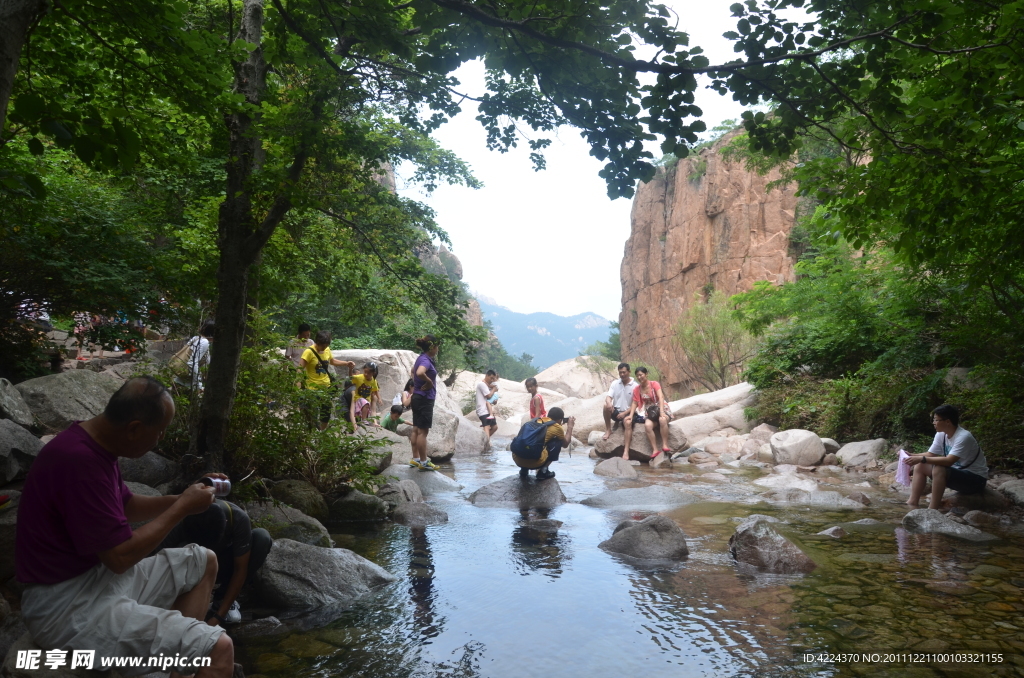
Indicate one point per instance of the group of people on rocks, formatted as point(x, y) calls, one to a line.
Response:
point(360, 392)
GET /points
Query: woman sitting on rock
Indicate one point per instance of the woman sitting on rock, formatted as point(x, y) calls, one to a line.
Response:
point(649, 408)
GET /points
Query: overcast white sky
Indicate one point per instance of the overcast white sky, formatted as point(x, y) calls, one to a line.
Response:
point(499, 232)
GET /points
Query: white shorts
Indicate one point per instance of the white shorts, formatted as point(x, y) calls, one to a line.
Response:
point(123, 615)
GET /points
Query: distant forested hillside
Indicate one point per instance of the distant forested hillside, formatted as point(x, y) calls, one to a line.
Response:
point(549, 338)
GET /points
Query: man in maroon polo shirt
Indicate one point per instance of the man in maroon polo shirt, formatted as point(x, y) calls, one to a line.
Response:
point(88, 582)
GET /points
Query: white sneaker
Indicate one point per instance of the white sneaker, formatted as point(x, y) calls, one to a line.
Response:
point(234, 614)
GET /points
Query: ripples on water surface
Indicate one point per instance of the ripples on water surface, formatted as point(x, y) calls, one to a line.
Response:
point(482, 596)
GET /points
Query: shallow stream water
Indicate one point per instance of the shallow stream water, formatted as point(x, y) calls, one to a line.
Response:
point(483, 596)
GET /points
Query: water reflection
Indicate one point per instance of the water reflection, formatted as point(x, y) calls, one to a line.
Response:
point(537, 545)
point(421, 582)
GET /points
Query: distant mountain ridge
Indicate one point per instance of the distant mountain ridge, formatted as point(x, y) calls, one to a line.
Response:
point(549, 338)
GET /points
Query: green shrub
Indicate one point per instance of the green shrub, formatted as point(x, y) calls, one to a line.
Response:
point(272, 432)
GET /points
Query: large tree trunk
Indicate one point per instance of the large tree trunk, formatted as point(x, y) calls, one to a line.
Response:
point(16, 17)
point(238, 235)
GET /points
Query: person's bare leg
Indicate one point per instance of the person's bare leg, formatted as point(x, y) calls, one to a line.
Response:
point(607, 412)
point(222, 660)
point(196, 602)
point(918, 479)
point(651, 438)
point(938, 486)
point(663, 431)
point(627, 439)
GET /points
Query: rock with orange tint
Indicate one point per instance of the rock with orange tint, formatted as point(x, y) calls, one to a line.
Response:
point(703, 223)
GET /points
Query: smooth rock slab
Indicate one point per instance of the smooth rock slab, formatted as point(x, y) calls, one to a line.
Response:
point(13, 406)
point(396, 492)
point(519, 492)
point(787, 481)
point(655, 495)
point(823, 498)
point(616, 467)
point(430, 482)
point(653, 538)
point(758, 543)
point(934, 522)
point(57, 400)
point(302, 577)
point(418, 514)
point(18, 449)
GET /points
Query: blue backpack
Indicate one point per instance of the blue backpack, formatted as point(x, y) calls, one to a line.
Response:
point(529, 442)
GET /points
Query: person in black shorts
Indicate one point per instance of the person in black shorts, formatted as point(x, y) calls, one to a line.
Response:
point(424, 377)
point(225, 529)
point(954, 460)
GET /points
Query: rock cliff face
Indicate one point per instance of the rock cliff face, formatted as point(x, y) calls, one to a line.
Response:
point(703, 224)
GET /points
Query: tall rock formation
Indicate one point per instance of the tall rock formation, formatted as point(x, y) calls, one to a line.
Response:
point(703, 224)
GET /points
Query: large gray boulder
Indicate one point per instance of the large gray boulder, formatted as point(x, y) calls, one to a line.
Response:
point(303, 496)
point(396, 451)
point(443, 434)
point(762, 433)
point(57, 400)
point(580, 377)
point(862, 453)
point(396, 492)
point(518, 492)
point(430, 482)
point(646, 497)
point(8, 528)
point(616, 467)
point(13, 406)
point(355, 506)
point(758, 543)
point(797, 446)
point(418, 514)
point(149, 469)
point(18, 449)
point(639, 446)
point(934, 522)
point(653, 538)
point(298, 576)
point(285, 522)
point(1014, 491)
point(470, 439)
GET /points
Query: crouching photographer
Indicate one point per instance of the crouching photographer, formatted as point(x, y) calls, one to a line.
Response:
point(540, 441)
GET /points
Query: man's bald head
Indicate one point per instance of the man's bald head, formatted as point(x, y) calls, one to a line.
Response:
point(140, 399)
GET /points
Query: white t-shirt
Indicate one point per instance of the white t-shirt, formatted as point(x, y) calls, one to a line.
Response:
point(622, 394)
point(296, 347)
point(483, 392)
point(199, 356)
point(963, 446)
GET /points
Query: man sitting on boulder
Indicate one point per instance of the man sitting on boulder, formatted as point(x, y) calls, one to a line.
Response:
point(954, 460)
point(555, 438)
point(618, 401)
point(88, 582)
